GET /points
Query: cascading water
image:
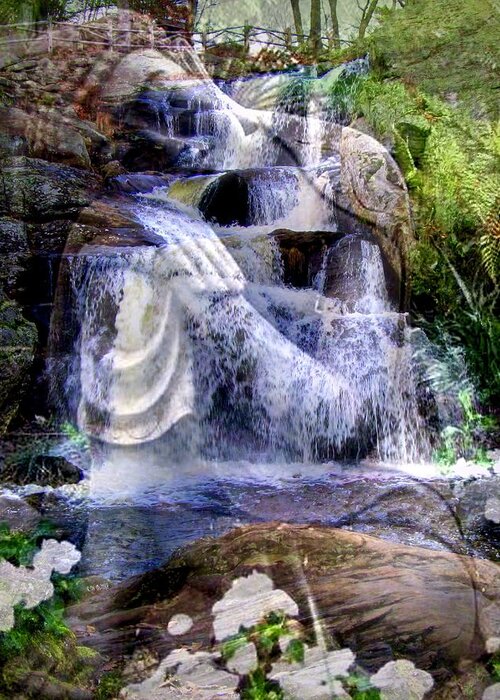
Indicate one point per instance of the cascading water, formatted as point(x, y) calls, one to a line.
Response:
point(258, 367)
point(201, 339)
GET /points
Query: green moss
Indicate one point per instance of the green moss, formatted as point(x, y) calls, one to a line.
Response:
point(109, 685)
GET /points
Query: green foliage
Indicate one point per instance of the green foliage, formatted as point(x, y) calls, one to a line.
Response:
point(231, 645)
point(109, 685)
point(445, 47)
point(342, 96)
point(495, 668)
point(43, 625)
point(383, 104)
point(77, 438)
point(266, 634)
point(431, 97)
point(295, 652)
point(359, 687)
point(18, 547)
point(464, 440)
point(40, 637)
point(294, 96)
point(26, 452)
point(450, 162)
point(258, 687)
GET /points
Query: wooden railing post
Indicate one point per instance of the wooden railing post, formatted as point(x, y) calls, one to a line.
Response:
point(152, 34)
point(246, 37)
point(288, 38)
point(50, 38)
point(110, 34)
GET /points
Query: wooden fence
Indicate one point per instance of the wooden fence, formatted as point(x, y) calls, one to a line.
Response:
point(114, 35)
point(260, 35)
point(45, 36)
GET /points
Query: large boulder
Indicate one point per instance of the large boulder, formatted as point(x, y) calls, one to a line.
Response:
point(140, 69)
point(375, 190)
point(47, 134)
point(383, 600)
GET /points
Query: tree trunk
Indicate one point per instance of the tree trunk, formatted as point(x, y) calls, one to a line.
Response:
point(366, 17)
point(335, 24)
point(315, 31)
point(297, 19)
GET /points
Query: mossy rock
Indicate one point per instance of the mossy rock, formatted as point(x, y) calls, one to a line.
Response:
point(34, 190)
point(18, 339)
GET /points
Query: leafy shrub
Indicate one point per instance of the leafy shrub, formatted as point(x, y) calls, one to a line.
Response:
point(464, 440)
point(40, 637)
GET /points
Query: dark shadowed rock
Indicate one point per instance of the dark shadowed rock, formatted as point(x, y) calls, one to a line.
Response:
point(15, 253)
point(302, 254)
point(18, 339)
point(41, 469)
point(225, 201)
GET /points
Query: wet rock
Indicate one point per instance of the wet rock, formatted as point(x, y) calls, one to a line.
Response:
point(33, 189)
point(478, 506)
point(112, 169)
point(430, 606)
point(141, 151)
point(189, 676)
point(303, 253)
point(19, 515)
point(18, 338)
point(492, 510)
point(48, 239)
point(347, 275)
point(134, 183)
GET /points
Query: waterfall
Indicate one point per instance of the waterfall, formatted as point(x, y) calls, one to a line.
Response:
point(201, 341)
point(257, 366)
